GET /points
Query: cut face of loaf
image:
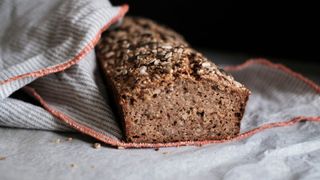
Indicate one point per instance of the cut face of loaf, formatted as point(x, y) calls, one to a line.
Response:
point(166, 91)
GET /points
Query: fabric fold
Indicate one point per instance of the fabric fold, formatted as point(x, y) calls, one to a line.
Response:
point(38, 38)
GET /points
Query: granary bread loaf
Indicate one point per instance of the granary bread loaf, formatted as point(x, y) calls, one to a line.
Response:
point(165, 90)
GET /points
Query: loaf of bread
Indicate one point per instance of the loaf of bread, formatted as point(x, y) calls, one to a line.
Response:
point(166, 91)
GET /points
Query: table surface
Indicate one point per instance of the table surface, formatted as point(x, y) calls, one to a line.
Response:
point(34, 154)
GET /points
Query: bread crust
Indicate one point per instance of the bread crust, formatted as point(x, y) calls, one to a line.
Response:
point(145, 64)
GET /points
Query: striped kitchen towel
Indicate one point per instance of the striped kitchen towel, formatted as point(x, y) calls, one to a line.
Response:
point(47, 50)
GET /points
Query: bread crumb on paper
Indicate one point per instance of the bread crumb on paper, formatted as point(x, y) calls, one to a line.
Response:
point(57, 141)
point(97, 145)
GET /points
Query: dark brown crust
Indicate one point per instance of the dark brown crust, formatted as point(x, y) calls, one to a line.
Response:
point(114, 97)
point(155, 63)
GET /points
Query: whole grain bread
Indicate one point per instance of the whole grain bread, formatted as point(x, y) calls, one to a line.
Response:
point(165, 90)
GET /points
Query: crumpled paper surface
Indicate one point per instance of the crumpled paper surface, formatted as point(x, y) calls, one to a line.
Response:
point(281, 153)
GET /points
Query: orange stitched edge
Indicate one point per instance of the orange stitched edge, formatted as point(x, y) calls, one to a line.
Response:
point(118, 143)
point(60, 67)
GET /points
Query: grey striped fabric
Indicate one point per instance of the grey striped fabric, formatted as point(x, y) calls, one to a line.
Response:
point(79, 92)
point(19, 114)
point(276, 96)
point(36, 35)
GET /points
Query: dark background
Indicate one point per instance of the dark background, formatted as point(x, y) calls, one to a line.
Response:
point(287, 30)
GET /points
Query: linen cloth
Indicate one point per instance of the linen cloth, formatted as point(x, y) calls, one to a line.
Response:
point(47, 48)
point(41, 37)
